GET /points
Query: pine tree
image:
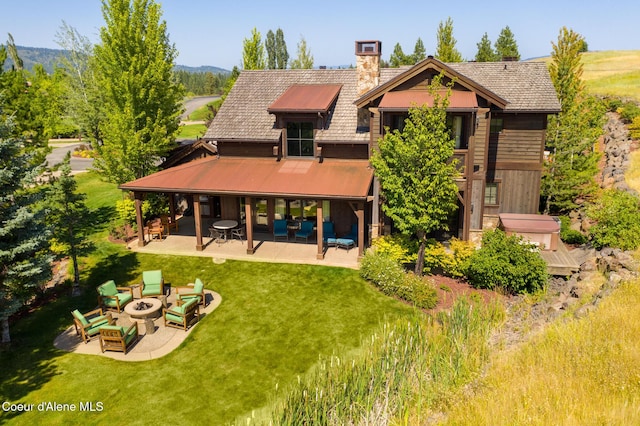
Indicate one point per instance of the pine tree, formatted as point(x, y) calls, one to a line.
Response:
point(397, 58)
point(506, 46)
point(24, 258)
point(446, 50)
point(253, 51)
point(69, 218)
point(142, 101)
point(304, 59)
point(568, 177)
point(417, 176)
point(485, 51)
point(419, 52)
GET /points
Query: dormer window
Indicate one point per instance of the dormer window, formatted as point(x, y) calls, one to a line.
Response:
point(300, 139)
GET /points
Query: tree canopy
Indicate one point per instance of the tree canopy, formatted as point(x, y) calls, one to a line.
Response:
point(277, 54)
point(506, 46)
point(142, 101)
point(253, 51)
point(446, 50)
point(416, 171)
point(485, 51)
point(569, 171)
point(304, 60)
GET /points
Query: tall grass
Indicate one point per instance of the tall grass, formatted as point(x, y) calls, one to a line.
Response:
point(583, 372)
point(401, 371)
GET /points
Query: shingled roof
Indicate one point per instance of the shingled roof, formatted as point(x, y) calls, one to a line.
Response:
point(526, 86)
point(244, 115)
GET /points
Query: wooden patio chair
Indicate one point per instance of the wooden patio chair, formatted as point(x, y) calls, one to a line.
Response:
point(88, 324)
point(192, 291)
point(152, 283)
point(182, 316)
point(116, 338)
point(168, 223)
point(112, 297)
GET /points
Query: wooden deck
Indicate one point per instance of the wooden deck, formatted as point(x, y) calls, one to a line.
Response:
point(560, 262)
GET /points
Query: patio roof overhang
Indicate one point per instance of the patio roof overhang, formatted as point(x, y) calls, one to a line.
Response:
point(263, 177)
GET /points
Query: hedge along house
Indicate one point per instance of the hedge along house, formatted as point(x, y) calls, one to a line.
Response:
point(296, 144)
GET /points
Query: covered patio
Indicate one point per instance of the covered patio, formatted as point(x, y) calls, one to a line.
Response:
point(256, 191)
point(265, 249)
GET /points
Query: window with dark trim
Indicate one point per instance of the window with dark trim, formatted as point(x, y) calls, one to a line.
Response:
point(300, 139)
point(456, 125)
point(496, 126)
point(492, 194)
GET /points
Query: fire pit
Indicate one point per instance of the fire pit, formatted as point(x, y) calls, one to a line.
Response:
point(144, 308)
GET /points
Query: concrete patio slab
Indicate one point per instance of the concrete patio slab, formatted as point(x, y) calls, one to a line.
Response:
point(149, 346)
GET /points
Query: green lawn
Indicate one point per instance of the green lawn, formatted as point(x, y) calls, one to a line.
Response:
point(274, 323)
point(192, 131)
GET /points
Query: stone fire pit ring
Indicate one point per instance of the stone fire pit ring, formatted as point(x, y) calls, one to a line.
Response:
point(141, 309)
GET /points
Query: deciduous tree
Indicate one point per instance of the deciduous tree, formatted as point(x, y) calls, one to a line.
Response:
point(446, 50)
point(253, 52)
point(304, 59)
point(416, 172)
point(142, 100)
point(277, 54)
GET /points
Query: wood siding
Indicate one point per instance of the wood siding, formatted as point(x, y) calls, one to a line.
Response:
point(521, 139)
point(520, 191)
point(480, 148)
point(245, 149)
point(348, 151)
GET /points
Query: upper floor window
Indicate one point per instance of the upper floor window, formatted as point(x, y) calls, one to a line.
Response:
point(455, 123)
point(300, 139)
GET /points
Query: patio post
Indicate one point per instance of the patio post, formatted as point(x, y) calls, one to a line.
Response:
point(249, 223)
point(172, 207)
point(361, 224)
point(139, 224)
point(319, 232)
point(198, 221)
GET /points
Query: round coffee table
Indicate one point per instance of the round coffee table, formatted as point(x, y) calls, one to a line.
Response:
point(144, 310)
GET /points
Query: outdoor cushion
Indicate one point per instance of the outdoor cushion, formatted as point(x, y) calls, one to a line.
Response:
point(152, 277)
point(80, 317)
point(123, 298)
point(108, 289)
point(198, 286)
point(151, 289)
point(181, 310)
point(152, 283)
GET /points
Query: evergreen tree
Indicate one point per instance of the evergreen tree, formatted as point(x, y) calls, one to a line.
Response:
point(253, 52)
point(446, 50)
point(568, 177)
point(485, 51)
point(419, 52)
point(270, 46)
point(416, 172)
point(398, 57)
point(69, 218)
point(142, 101)
point(506, 46)
point(24, 259)
point(304, 59)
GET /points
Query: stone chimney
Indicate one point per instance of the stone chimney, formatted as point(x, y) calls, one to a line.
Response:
point(368, 65)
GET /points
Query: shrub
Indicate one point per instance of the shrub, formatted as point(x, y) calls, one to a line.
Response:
point(389, 276)
point(617, 217)
point(568, 235)
point(449, 261)
point(629, 111)
point(398, 247)
point(634, 128)
point(126, 209)
point(506, 262)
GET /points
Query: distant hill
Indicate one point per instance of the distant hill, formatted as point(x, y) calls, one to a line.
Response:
point(611, 72)
point(49, 58)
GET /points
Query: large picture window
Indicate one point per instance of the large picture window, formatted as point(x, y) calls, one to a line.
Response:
point(300, 139)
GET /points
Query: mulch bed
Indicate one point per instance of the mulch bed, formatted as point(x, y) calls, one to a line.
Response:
point(449, 289)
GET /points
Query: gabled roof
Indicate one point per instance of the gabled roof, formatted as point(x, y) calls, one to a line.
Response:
point(403, 99)
point(244, 115)
point(264, 177)
point(180, 154)
point(421, 67)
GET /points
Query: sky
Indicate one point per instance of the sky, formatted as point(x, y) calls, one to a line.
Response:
point(207, 32)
